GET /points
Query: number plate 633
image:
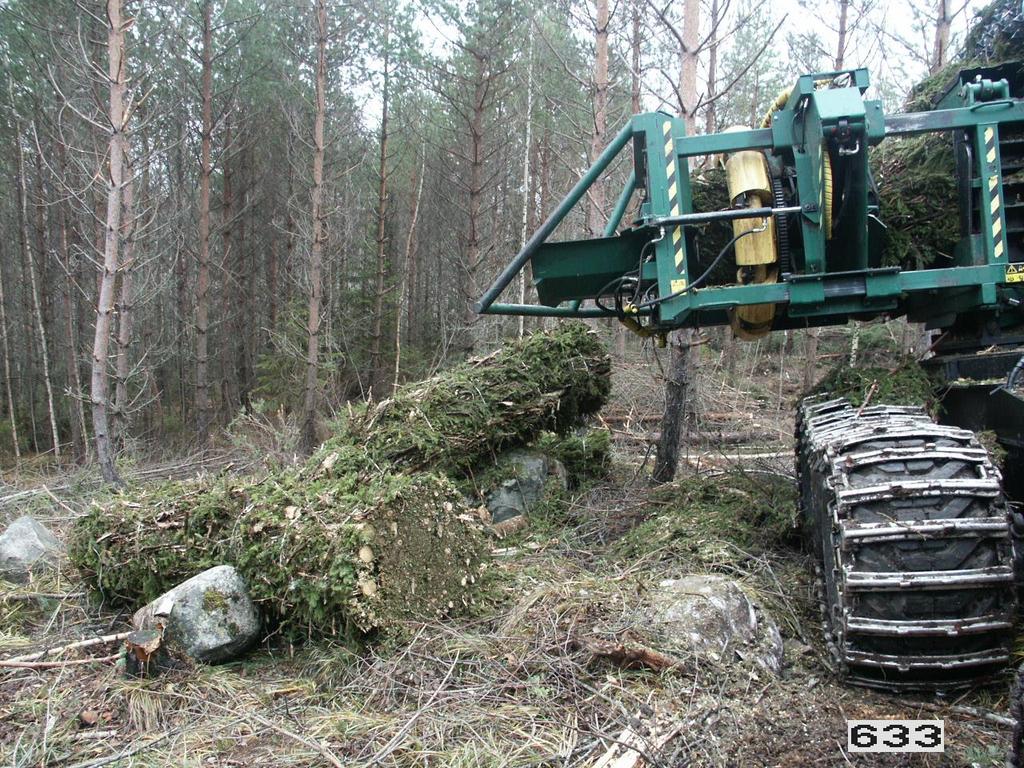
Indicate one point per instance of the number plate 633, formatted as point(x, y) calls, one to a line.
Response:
point(895, 735)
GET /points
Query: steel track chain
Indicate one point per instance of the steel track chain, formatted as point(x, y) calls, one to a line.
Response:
point(914, 535)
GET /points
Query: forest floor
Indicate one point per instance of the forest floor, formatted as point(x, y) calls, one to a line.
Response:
point(511, 685)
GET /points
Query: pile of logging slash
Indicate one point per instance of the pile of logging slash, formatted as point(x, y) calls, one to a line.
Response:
point(375, 528)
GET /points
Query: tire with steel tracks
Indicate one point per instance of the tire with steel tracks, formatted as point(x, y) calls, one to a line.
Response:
point(909, 520)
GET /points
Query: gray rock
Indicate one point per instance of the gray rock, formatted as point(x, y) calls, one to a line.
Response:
point(27, 546)
point(531, 472)
point(710, 617)
point(209, 618)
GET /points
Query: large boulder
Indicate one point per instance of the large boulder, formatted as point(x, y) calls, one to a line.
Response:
point(710, 617)
point(209, 618)
point(530, 473)
point(27, 546)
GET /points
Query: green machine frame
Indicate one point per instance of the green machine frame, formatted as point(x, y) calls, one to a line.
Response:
point(829, 280)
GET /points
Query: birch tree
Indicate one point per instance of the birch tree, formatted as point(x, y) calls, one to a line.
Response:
point(117, 77)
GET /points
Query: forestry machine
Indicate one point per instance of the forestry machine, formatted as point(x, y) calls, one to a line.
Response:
point(918, 544)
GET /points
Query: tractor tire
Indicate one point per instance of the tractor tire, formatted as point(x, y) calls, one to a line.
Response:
point(909, 519)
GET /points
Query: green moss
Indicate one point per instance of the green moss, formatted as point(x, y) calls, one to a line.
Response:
point(585, 455)
point(302, 548)
point(990, 441)
point(907, 383)
point(370, 532)
point(214, 600)
point(466, 416)
point(709, 521)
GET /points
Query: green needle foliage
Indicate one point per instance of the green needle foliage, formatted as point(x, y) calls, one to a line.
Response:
point(371, 531)
point(906, 384)
point(466, 416)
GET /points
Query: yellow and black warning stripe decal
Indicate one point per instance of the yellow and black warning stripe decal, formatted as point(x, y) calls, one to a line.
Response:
point(994, 198)
point(675, 209)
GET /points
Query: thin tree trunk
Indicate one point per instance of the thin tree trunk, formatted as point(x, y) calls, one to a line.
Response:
point(595, 211)
point(123, 340)
point(380, 287)
point(810, 357)
point(527, 144)
point(105, 302)
point(272, 270)
point(79, 446)
point(203, 277)
point(476, 183)
point(37, 310)
point(710, 115)
point(844, 12)
point(940, 52)
point(229, 306)
point(682, 377)
point(8, 379)
point(688, 65)
point(679, 394)
point(309, 407)
point(410, 264)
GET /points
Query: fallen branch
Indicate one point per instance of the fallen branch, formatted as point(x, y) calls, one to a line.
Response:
point(632, 654)
point(11, 664)
point(24, 597)
point(89, 643)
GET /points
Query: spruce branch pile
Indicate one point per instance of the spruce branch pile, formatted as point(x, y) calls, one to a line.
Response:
point(916, 176)
point(372, 530)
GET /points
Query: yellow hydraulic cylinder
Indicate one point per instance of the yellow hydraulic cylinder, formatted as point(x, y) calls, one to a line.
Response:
point(746, 174)
point(757, 252)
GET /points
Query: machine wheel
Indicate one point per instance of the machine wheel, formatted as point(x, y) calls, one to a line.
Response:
point(910, 522)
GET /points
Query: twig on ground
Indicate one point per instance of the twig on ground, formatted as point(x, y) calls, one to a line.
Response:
point(11, 664)
point(88, 643)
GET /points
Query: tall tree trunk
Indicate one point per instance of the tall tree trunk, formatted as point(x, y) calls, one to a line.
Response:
point(105, 302)
point(681, 382)
point(272, 276)
point(380, 286)
point(8, 378)
point(37, 310)
point(527, 146)
point(476, 193)
point(76, 409)
point(688, 65)
point(844, 12)
point(943, 22)
point(229, 294)
point(595, 211)
point(203, 276)
point(309, 408)
point(710, 113)
point(122, 363)
point(680, 394)
point(405, 302)
point(810, 357)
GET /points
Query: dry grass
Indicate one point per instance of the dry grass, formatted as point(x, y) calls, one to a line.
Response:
point(513, 685)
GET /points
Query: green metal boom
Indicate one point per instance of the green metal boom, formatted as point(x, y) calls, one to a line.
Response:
point(825, 121)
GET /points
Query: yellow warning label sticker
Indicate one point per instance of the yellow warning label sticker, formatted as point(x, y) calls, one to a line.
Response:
point(1015, 273)
point(680, 285)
